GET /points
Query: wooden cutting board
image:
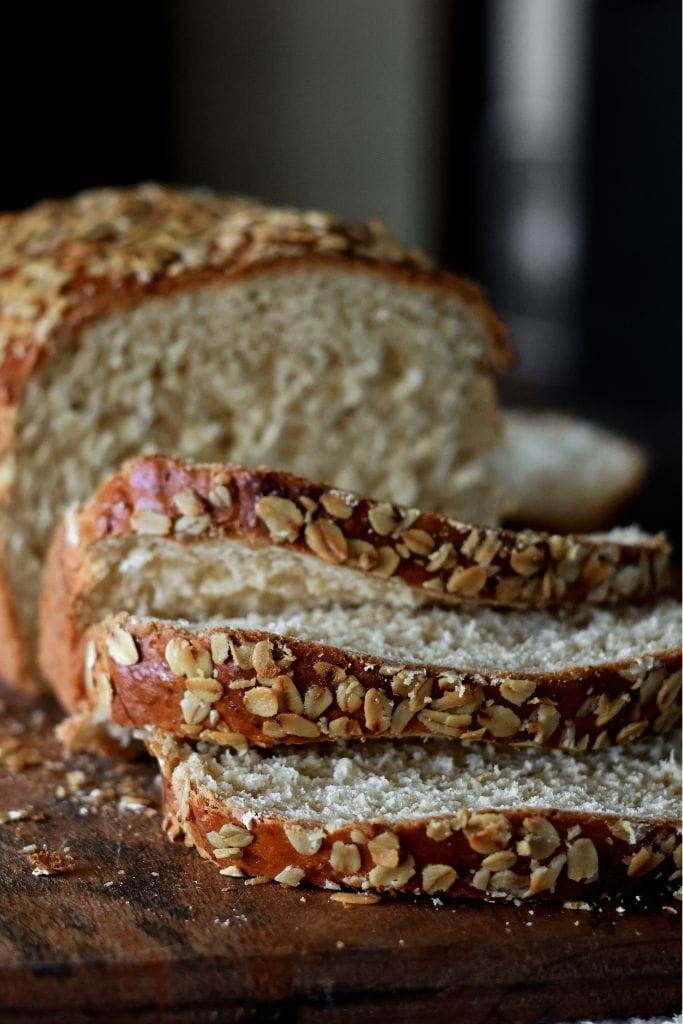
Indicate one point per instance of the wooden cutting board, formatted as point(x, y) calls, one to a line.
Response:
point(139, 930)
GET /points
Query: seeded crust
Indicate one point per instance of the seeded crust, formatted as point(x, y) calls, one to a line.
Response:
point(157, 496)
point(497, 853)
point(64, 263)
point(244, 687)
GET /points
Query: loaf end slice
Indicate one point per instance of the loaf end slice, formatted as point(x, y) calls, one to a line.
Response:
point(564, 474)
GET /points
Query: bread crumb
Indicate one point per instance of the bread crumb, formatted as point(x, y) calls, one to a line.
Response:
point(51, 862)
point(21, 814)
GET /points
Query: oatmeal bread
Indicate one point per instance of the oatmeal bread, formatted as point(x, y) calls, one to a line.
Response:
point(187, 541)
point(581, 680)
point(440, 820)
point(565, 474)
point(219, 328)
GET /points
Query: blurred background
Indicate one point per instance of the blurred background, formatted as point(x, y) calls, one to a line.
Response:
point(531, 144)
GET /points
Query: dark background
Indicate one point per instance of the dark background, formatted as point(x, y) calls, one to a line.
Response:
point(532, 144)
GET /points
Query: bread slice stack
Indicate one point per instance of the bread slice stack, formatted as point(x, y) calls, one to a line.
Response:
point(277, 628)
point(367, 685)
point(172, 540)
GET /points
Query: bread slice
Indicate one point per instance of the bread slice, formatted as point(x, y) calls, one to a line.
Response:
point(441, 820)
point(219, 328)
point(178, 540)
point(565, 474)
point(580, 680)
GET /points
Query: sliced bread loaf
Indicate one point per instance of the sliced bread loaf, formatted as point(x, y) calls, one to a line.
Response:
point(178, 540)
point(219, 328)
point(441, 820)
point(562, 473)
point(580, 680)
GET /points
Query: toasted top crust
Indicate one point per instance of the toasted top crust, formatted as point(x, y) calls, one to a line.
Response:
point(448, 560)
point(64, 262)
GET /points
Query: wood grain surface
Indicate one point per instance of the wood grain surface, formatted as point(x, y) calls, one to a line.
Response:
point(136, 929)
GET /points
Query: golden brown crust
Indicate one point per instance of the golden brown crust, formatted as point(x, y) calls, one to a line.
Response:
point(12, 655)
point(246, 687)
point(64, 263)
point(60, 634)
point(450, 562)
point(504, 853)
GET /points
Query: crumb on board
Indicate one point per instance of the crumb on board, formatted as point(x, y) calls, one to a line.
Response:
point(122, 792)
point(231, 920)
point(355, 899)
point(51, 862)
point(21, 814)
point(16, 754)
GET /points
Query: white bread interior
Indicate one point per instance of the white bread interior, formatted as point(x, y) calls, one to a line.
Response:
point(209, 578)
point(483, 639)
point(395, 782)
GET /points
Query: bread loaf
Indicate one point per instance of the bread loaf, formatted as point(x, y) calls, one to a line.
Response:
point(581, 680)
point(180, 540)
point(219, 328)
point(433, 819)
